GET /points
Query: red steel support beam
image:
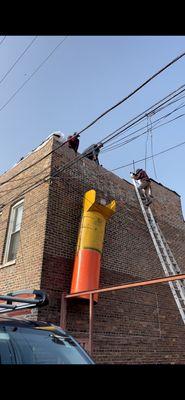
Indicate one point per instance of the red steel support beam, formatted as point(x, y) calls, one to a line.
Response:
point(131, 284)
point(112, 288)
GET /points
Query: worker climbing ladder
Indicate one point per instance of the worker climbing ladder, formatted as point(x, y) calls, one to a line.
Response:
point(168, 262)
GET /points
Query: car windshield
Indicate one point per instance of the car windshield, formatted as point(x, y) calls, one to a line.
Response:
point(19, 345)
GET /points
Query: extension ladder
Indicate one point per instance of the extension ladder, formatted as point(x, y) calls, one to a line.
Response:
point(168, 262)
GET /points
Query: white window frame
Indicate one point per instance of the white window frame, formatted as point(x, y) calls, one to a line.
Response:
point(9, 234)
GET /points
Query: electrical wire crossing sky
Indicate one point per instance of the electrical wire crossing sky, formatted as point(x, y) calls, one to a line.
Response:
point(63, 83)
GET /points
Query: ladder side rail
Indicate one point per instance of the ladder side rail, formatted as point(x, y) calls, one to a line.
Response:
point(179, 305)
point(161, 242)
point(178, 269)
point(168, 247)
point(169, 262)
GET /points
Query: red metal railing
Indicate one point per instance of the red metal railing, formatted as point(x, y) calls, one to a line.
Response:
point(109, 289)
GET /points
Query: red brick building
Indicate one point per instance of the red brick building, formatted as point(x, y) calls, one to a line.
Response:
point(39, 223)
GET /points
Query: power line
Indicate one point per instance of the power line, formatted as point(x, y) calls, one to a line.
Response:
point(35, 163)
point(143, 133)
point(148, 109)
point(134, 91)
point(46, 197)
point(25, 181)
point(143, 116)
point(112, 147)
point(154, 111)
point(54, 150)
point(43, 206)
point(48, 177)
point(138, 118)
point(146, 144)
point(2, 40)
point(30, 177)
point(18, 59)
point(33, 73)
point(152, 150)
point(62, 145)
point(124, 142)
point(154, 155)
point(68, 166)
point(38, 183)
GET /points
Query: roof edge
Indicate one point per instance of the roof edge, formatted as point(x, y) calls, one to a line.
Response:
point(42, 144)
point(171, 190)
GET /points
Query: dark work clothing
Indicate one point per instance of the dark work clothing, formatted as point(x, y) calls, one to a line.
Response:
point(92, 153)
point(142, 175)
point(74, 143)
point(145, 186)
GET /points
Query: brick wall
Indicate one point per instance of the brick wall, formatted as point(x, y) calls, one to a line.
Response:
point(132, 326)
point(26, 272)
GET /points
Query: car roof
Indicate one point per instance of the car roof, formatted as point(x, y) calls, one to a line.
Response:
point(40, 325)
point(21, 322)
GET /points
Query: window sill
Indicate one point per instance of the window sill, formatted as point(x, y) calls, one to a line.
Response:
point(8, 264)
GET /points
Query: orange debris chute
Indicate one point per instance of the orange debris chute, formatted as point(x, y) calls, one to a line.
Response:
point(86, 271)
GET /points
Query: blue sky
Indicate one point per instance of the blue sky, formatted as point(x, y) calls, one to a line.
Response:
point(85, 76)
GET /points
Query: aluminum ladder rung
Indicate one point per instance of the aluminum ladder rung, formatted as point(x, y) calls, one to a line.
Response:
point(179, 291)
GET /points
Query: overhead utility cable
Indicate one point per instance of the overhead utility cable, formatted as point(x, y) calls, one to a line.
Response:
point(108, 148)
point(123, 166)
point(62, 144)
point(119, 143)
point(4, 192)
point(143, 114)
point(18, 59)
point(138, 118)
point(49, 176)
point(148, 109)
point(154, 155)
point(143, 133)
point(2, 40)
point(33, 73)
point(134, 91)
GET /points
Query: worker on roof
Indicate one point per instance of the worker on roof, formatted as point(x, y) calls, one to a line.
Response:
point(92, 152)
point(145, 185)
point(73, 141)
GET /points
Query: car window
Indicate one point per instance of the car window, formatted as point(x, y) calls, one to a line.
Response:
point(33, 346)
point(7, 355)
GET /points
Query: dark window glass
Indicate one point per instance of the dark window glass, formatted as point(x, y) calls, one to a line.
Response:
point(14, 232)
point(7, 355)
point(14, 242)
